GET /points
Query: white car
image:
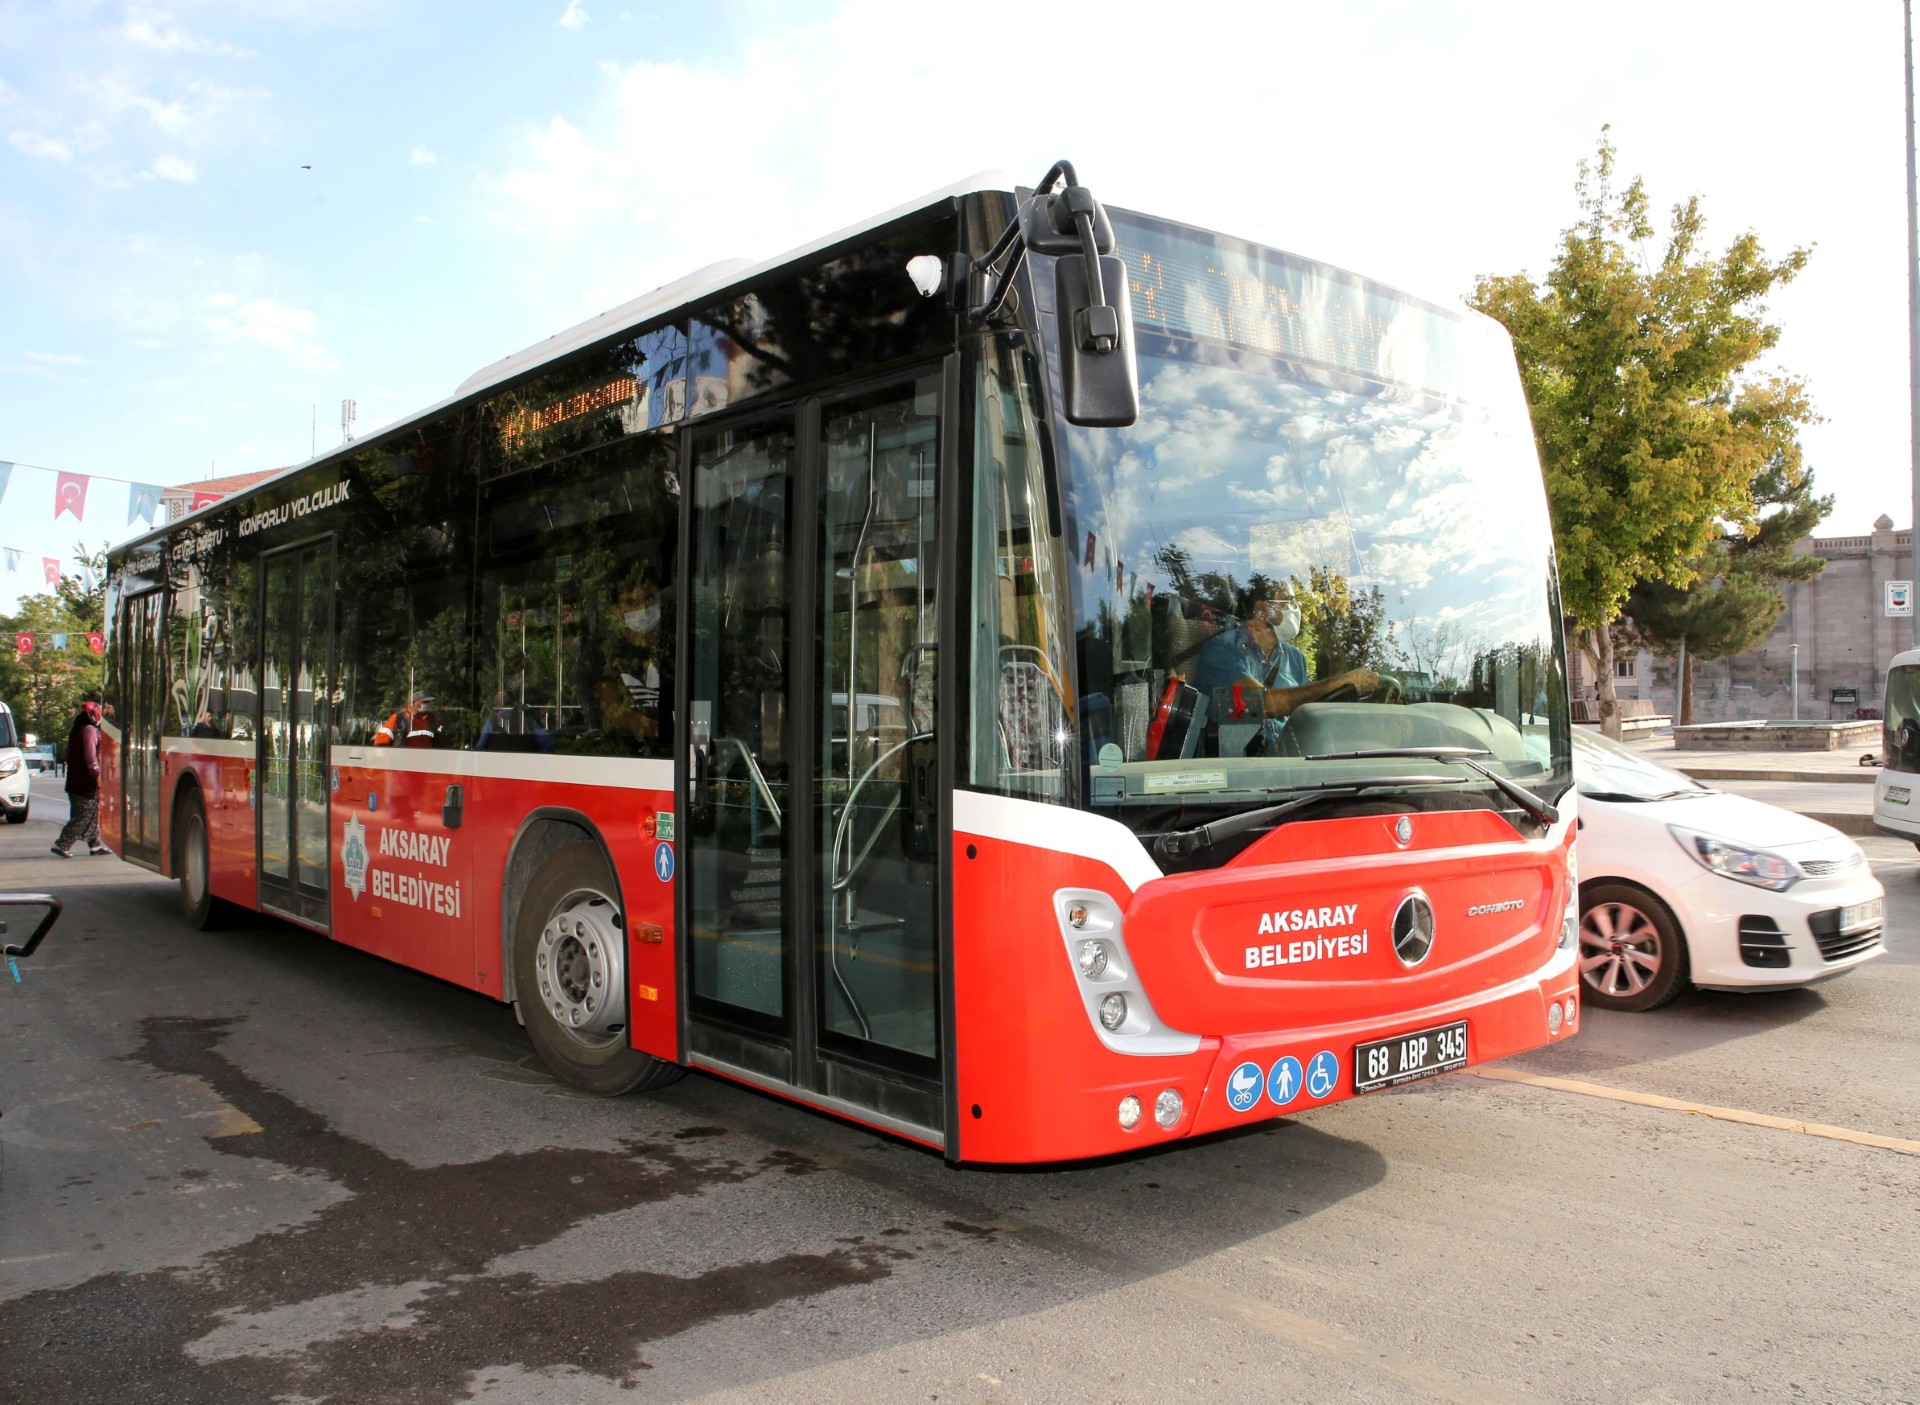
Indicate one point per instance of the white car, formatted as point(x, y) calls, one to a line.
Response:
point(16, 782)
point(1682, 885)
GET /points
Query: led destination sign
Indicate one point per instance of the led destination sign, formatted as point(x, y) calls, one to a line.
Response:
point(1191, 284)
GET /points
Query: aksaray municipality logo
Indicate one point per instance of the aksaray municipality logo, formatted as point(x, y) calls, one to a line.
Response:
point(353, 857)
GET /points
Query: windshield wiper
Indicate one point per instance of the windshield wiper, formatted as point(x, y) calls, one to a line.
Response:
point(1459, 756)
point(1179, 843)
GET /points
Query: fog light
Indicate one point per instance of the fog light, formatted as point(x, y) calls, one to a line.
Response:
point(1129, 1112)
point(1093, 958)
point(1077, 916)
point(1113, 1011)
point(1167, 1108)
point(1570, 928)
point(1572, 1010)
point(1553, 1018)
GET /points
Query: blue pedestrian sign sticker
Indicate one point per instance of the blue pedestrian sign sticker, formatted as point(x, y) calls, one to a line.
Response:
point(1323, 1074)
point(663, 862)
point(1243, 1087)
point(1283, 1082)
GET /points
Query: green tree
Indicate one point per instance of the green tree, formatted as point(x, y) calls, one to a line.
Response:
point(1735, 596)
point(1341, 630)
point(1635, 373)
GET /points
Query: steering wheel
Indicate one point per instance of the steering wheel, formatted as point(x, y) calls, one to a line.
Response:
point(1391, 691)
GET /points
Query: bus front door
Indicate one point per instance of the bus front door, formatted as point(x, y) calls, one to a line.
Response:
point(296, 724)
point(811, 890)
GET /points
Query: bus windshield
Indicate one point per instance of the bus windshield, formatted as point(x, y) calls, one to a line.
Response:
point(1326, 533)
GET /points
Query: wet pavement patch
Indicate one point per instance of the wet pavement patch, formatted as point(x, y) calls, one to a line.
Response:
point(384, 1295)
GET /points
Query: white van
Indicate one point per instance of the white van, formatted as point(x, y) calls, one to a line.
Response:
point(1896, 792)
point(16, 781)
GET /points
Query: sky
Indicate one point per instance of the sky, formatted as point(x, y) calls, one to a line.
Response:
point(221, 218)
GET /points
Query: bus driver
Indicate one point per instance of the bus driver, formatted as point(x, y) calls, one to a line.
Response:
point(1258, 652)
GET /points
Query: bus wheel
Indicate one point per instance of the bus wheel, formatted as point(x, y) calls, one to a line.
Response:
point(1632, 956)
point(570, 976)
point(193, 862)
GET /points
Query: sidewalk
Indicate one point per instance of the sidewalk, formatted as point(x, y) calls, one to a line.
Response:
point(1829, 786)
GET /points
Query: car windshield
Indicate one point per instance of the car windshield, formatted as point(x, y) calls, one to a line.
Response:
point(1608, 770)
point(1327, 532)
point(7, 734)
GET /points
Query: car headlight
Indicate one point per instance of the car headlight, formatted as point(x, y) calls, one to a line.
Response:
point(1755, 866)
point(10, 765)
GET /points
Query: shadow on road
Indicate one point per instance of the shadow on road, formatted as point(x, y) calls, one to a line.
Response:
point(417, 1277)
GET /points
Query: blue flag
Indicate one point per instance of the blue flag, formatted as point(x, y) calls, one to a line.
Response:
point(13, 558)
point(143, 500)
point(59, 641)
point(6, 472)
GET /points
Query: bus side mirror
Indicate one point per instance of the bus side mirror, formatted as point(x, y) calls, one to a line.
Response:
point(1096, 343)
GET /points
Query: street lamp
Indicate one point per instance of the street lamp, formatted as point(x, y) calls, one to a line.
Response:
point(1794, 676)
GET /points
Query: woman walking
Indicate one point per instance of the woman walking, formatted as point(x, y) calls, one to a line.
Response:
point(83, 784)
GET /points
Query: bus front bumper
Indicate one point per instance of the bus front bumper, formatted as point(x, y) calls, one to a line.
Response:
point(1300, 1069)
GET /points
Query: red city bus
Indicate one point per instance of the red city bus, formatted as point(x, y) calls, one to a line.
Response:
point(1034, 721)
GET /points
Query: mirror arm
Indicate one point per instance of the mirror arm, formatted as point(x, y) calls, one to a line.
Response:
point(988, 292)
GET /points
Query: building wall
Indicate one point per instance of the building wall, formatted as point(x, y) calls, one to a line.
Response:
point(1839, 621)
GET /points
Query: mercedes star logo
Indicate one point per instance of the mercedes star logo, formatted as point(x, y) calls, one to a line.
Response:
point(1413, 929)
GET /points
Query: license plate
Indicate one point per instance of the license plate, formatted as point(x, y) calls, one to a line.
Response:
point(1387, 1063)
point(1898, 795)
point(1860, 915)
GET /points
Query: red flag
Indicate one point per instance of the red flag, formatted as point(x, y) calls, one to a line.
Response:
point(50, 567)
point(1089, 560)
point(70, 495)
point(23, 644)
point(96, 641)
point(201, 500)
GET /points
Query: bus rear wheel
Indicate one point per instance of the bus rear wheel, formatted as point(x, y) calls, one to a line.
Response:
point(570, 976)
point(193, 862)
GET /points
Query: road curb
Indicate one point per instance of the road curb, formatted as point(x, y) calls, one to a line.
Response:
point(1860, 775)
point(1847, 823)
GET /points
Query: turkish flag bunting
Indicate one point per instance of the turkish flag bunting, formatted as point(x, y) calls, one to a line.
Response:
point(23, 644)
point(50, 568)
point(201, 500)
point(70, 495)
point(96, 641)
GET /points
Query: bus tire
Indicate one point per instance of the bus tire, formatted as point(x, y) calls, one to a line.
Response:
point(569, 950)
point(193, 863)
point(1632, 954)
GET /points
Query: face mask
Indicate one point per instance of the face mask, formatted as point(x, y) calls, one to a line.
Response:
point(1288, 625)
point(643, 621)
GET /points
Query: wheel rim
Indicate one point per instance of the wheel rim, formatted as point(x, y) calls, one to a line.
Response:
point(193, 869)
point(578, 965)
point(1621, 953)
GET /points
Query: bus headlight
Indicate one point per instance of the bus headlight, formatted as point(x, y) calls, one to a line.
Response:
point(1129, 1113)
point(1113, 1011)
point(1093, 959)
point(1168, 1108)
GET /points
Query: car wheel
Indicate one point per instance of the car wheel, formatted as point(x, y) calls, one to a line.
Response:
point(18, 816)
point(570, 976)
point(1632, 956)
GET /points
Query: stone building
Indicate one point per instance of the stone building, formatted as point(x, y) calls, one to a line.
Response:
point(1846, 640)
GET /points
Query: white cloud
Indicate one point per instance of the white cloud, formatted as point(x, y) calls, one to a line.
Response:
point(421, 156)
point(575, 15)
point(263, 322)
point(155, 29)
point(172, 168)
point(57, 358)
point(40, 144)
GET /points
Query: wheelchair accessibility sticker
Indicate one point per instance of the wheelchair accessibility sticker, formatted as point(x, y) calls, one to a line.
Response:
point(1323, 1074)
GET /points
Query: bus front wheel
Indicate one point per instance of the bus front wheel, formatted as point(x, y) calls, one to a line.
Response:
point(570, 976)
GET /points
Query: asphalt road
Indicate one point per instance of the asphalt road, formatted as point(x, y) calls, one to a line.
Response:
point(248, 1165)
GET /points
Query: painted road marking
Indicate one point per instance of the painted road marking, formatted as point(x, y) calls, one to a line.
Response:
point(1721, 1114)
